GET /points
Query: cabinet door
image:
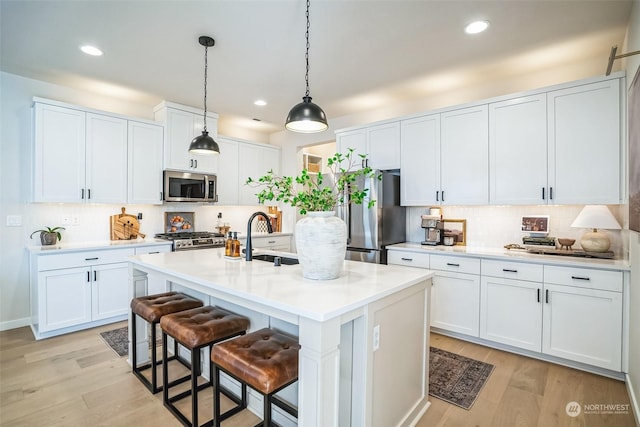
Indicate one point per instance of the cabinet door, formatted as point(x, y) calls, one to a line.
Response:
point(228, 181)
point(384, 146)
point(511, 312)
point(59, 154)
point(205, 163)
point(584, 325)
point(255, 161)
point(584, 144)
point(420, 160)
point(356, 139)
point(109, 290)
point(455, 302)
point(64, 298)
point(518, 151)
point(106, 171)
point(464, 156)
point(145, 163)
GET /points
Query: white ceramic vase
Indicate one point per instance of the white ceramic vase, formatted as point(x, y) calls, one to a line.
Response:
point(321, 243)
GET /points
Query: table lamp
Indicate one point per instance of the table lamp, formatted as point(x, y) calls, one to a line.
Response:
point(594, 217)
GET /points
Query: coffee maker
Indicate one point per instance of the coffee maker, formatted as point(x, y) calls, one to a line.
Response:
point(434, 230)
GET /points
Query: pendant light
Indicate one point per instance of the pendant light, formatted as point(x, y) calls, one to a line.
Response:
point(306, 117)
point(204, 144)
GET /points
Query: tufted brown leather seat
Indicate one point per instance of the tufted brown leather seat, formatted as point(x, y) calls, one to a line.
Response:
point(152, 308)
point(266, 360)
point(195, 329)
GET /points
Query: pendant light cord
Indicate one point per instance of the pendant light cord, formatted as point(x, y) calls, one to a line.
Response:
point(306, 77)
point(206, 49)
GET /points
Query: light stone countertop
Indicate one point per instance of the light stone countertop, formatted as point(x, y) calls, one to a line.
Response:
point(62, 247)
point(283, 288)
point(515, 255)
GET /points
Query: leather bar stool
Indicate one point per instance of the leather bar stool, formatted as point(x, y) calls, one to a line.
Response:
point(152, 308)
point(265, 360)
point(195, 329)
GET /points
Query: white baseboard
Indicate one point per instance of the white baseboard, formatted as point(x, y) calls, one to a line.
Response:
point(13, 324)
point(633, 398)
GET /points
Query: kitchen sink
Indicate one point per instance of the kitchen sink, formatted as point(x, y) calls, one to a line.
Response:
point(271, 258)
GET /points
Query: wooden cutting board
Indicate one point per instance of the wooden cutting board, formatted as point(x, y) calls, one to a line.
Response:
point(124, 226)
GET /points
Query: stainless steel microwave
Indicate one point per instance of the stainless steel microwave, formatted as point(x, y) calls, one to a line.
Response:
point(190, 187)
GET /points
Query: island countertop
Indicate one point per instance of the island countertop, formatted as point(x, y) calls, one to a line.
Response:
point(283, 287)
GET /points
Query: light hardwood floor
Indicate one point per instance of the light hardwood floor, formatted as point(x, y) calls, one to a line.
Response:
point(76, 380)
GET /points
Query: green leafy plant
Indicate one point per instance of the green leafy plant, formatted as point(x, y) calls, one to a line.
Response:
point(49, 230)
point(306, 192)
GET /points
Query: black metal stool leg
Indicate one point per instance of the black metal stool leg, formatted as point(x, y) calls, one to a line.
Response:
point(134, 344)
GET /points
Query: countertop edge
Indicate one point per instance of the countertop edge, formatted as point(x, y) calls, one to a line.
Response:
point(95, 245)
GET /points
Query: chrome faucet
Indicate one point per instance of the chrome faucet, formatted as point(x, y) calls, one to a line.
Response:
point(248, 248)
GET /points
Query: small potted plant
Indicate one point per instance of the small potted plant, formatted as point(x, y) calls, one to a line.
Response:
point(49, 236)
point(321, 237)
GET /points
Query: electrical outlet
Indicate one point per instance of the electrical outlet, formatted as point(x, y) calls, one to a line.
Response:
point(75, 220)
point(66, 220)
point(14, 220)
point(376, 337)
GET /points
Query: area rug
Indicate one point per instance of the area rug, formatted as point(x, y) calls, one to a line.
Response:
point(456, 379)
point(118, 339)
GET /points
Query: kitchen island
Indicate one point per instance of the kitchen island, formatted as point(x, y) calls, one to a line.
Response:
point(364, 336)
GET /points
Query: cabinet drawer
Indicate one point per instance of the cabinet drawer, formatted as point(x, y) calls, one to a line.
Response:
point(584, 278)
point(512, 270)
point(152, 249)
point(455, 264)
point(410, 259)
point(81, 259)
point(271, 242)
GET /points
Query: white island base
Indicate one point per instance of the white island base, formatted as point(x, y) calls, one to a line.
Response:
point(364, 358)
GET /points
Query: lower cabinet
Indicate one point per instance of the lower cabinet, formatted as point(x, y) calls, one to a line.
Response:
point(281, 243)
point(78, 290)
point(573, 313)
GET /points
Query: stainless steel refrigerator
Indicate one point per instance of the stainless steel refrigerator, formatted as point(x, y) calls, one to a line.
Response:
point(371, 230)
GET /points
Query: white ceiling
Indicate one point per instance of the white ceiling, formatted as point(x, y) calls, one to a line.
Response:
point(364, 53)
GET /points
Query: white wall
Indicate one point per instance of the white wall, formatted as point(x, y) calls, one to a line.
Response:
point(633, 384)
point(15, 181)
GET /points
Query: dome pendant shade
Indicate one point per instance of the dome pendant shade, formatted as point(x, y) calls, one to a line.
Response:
point(204, 144)
point(306, 117)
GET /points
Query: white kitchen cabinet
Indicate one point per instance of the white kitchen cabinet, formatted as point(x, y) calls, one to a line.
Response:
point(464, 157)
point(455, 294)
point(511, 303)
point(584, 125)
point(420, 160)
point(59, 154)
point(145, 163)
point(381, 144)
point(228, 174)
point(78, 290)
point(582, 316)
point(518, 151)
point(182, 125)
point(255, 160)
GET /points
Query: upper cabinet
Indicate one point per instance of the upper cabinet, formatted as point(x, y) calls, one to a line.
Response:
point(381, 144)
point(84, 156)
point(255, 160)
point(182, 125)
point(228, 175)
point(420, 160)
point(584, 125)
point(518, 151)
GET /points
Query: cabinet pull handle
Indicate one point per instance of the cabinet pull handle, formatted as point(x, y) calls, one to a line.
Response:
point(550, 193)
point(95, 277)
point(190, 163)
point(271, 241)
point(407, 259)
point(443, 195)
point(196, 162)
point(538, 294)
point(82, 194)
point(506, 270)
point(88, 277)
point(437, 196)
point(542, 193)
point(546, 296)
point(88, 193)
point(156, 252)
point(91, 259)
point(580, 278)
point(453, 265)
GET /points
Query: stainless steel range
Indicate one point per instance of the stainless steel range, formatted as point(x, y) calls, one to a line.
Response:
point(184, 241)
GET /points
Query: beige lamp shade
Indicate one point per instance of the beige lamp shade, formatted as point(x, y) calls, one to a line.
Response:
point(595, 217)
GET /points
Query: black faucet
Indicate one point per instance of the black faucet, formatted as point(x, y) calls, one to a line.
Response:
point(248, 248)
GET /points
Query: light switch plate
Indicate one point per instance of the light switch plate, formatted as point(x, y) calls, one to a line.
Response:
point(14, 220)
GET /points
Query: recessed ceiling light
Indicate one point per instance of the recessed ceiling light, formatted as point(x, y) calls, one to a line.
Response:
point(260, 103)
point(91, 50)
point(476, 27)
